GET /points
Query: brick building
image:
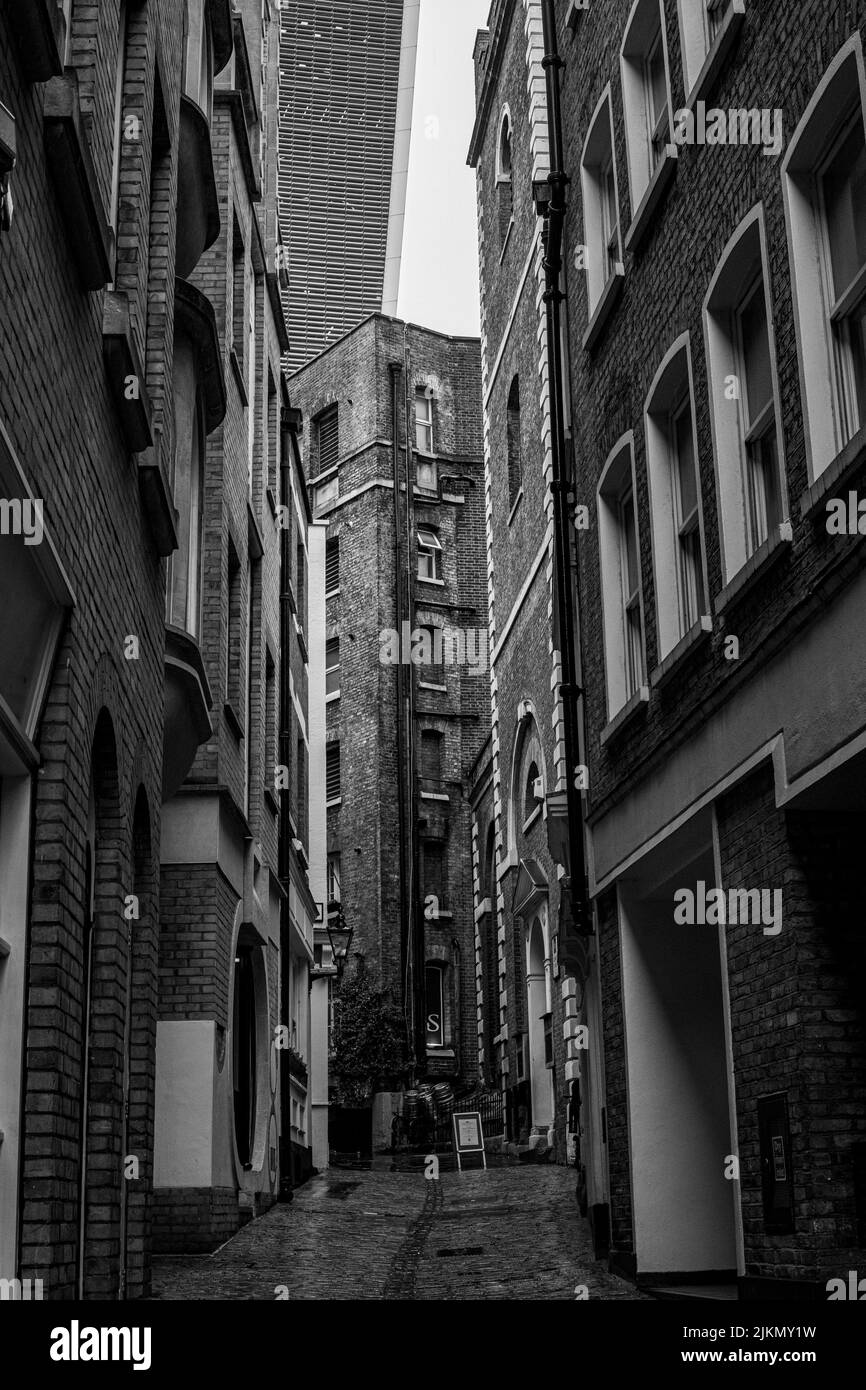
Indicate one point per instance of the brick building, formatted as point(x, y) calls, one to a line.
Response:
point(406, 661)
point(714, 300)
point(535, 995)
point(155, 862)
point(236, 907)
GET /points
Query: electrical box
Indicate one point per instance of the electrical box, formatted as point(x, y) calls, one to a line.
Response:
point(777, 1179)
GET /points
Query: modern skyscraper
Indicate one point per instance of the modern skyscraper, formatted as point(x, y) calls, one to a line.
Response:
point(347, 80)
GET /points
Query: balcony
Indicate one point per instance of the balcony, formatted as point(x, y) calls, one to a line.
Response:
point(198, 216)
point(188, 702)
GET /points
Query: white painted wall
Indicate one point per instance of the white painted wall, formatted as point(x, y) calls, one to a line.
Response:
point(678, 1093)
point(185, 1063)
point(402, 146)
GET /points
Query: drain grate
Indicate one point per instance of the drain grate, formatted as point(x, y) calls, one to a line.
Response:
point(460, 1250)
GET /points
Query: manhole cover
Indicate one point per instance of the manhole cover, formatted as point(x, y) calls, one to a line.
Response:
point(460, 1250)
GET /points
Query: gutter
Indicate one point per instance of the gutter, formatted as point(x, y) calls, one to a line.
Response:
point(577, 910)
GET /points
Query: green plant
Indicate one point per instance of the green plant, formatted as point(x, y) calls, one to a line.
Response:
point(370, 1039)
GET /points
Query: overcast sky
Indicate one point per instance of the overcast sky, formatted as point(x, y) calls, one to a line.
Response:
point(439, 283)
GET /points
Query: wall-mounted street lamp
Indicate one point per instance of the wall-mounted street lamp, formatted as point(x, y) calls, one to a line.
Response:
point(340, 936)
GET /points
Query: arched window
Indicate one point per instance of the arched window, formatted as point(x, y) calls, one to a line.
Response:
point(531, 802)
point(504, 182)
point(515, 443)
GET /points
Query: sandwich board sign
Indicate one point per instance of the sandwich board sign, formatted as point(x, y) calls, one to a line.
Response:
point(468, 1135)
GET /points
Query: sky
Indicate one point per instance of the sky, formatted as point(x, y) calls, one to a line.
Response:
point(439, 280)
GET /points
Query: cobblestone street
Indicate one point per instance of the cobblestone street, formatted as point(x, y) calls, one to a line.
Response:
point(511, 1233)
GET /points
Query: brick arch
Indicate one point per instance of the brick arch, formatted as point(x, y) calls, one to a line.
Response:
point(527, 748)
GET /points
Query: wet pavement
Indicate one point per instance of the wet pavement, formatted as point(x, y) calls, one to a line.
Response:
point(369, 1232)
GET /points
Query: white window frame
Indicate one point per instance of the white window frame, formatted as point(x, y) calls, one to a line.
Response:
point(429, 556)
point(616, 485)
point(672, 391)
point(602, 236)
point(333, 871)
point(424, 421)
point(832, 105)
point(702, 23)
point(439, 969)
point(329, 670)
point(644, 32)
point(744, 257)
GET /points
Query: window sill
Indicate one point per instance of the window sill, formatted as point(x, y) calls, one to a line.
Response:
point(434, 1051)
point(603, 310)
point(238, 374)
point(272, 503)
point(438, 583)
point(531, 820)
point(687, 646)
point(439, 689)
point(302, 643)
point(718, 54)
point(332, 593)
point(655, 191)
point(517, 501)
point(841, 470)
point(332, 698)
point(506, 241)
point(755, 567)
point(91, 239)
point(157, 500)
point(272, 801)
point(333, 803)
point(629, 712)
point(233, 720)
point(435, 796)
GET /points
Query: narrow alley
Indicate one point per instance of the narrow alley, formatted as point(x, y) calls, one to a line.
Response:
point(508, 1233)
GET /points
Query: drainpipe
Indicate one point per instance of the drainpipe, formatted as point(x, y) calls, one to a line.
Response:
point(288, 441)
point(419, 949)
point(395, 371)
point(562, 483)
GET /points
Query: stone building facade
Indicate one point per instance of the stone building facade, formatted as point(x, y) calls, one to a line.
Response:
point(715, 306)
point(406, 661)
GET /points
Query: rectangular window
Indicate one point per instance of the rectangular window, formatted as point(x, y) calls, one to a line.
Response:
point(301, 584)
point(687, 517)
point(600, 205)
point(332, 772)
point(239, 290)
point(434, 1005)
point(431, 755)
point(630, 572)
point(763, 511)
point(332, 565)
point(547, 1020)
point(332, 666)
point(434, 873)
point(333, 889)
point(235, 630)
point(431, 669)
point(273, 442)
point(429, 555)
point(272, 741)
point(328, 431)
point(657, 104)
point(301, 785)
point(423, 420)
point(427, 475)
point(842, 184)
